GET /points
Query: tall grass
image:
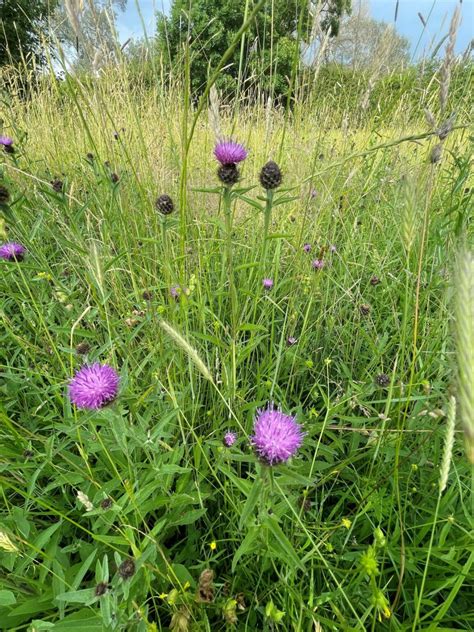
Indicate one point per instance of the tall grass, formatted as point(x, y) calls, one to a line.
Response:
point(353, 533)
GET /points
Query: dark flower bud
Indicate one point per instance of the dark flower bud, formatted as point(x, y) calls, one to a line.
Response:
point(90, 157)
point(106, 503)
point(228, 174)
point(114, 177)
point(83, 348)
point(382, 380)
point(57, 185)
point(205, 592)
point(127, 568)
point(365, 309)
point(374, 280)
point(270, 175)
point(101, 589)
point(4, 195)
point(147, 296)
point(164, 204)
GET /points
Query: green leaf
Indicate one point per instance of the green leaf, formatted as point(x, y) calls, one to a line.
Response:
point(7, 598)
point(189, 517)
point(251, 502)
point(248, 545)
point(76, 596)
point(281, 545)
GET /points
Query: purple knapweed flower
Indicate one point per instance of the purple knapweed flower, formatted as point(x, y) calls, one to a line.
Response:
point(267, 284)
point(290, 341)
point(228, 152)
point(276, 437)
point(318, 264)
point(6, 141)
point(307, 247)
point(12, 251)
point(94, 386)
point(229, 439)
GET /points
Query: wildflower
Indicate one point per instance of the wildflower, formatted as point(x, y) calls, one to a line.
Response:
point(277, 436)
point(90, 157)
point(332, 248)
point(368, 562)
point(106, 503)
point(164, 204)
point(180, 620)
point(318, 264)
point(127, 568)
point(205, 591)
point(346, 523)
point(307, 247)
point(228, 152)
point(313, 193)
point(6, 544)
point(84, 500)
point(101, 589)
point(229, 611)
point(147, 296)
point(230, 438)
point(176, 291)
point(114, 177)
point(57, 185)
point(7, 143)
point(380, 603)
point(213, 545)
point(4, 195)
point(270, 175)
point(94, 386)
point(228, 174)
point(267, 284)
point(290, 341)
point(82, 348)
point(12, 251)
point(365, 309)
point(382, 380)
point(374, 280)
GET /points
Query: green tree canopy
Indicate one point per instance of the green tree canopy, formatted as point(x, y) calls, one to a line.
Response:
point(270, 45)
point(20, 24)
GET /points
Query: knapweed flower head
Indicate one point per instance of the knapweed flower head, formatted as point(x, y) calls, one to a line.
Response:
point(307, 247)
point(230, 438)
point(94, 386)
point(267, 284)
point(276, 437)
point(6, 141)
point(290, 341)
point(12, 251)
point(228, 152)
point(318, 264)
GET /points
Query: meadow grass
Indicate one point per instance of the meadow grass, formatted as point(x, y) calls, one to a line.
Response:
point(355, 532)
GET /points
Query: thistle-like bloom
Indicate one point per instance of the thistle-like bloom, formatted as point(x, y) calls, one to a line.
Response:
point(318, 264)
point(267, 284)
point(229, 439)
point(307, 247)
point(276, 437)
point(12, 251)
point(6, 141)
point(290, 341)
point(228, 152)
point(94, 386)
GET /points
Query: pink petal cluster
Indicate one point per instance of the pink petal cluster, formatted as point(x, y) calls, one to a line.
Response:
point(230, 438)
point(276, 437)
point(228, 152)
point(94, 386)
point(12, 251)
point(267, 284)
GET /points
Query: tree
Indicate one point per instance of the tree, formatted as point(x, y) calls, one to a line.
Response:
point(270, 45)
point(87, 30)
point(21, 21)
point(363, 42)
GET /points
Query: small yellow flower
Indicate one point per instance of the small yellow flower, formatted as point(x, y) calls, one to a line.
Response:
point(163, 595)
point(345, 522)
point(213, 545)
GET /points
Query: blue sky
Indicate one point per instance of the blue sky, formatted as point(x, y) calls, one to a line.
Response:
point(437, 14)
